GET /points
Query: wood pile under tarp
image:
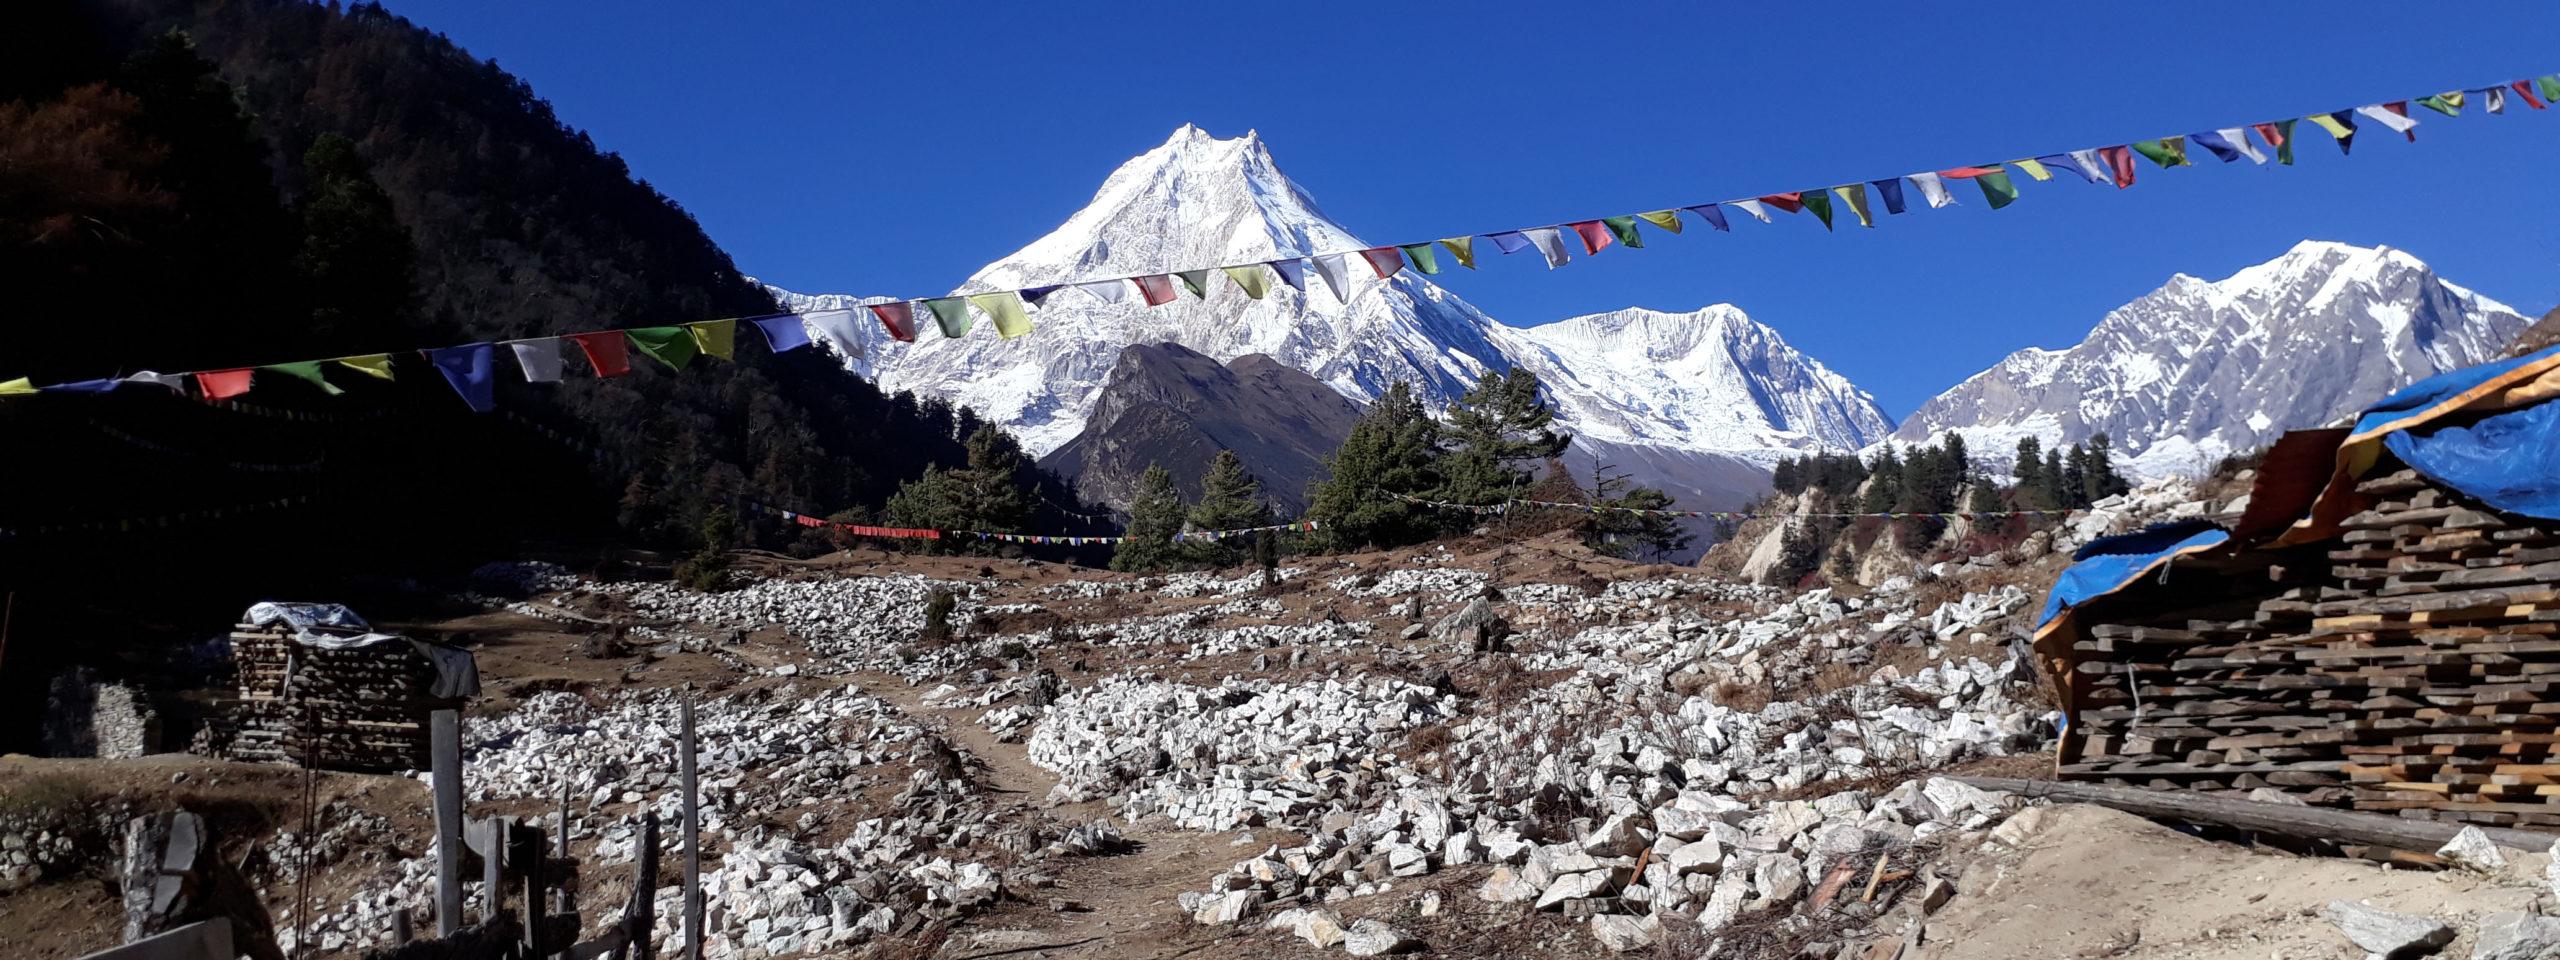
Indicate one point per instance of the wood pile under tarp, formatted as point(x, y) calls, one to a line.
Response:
point(2411, 665)
point(339, 699)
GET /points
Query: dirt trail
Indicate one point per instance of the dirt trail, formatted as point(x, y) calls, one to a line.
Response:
point(1123, 906)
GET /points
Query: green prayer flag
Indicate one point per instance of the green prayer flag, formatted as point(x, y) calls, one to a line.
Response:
point(1855, 195)
point(2550, 86)
point(2171, 152)
point(1666, 219)
point(1005, 307)
point(1196, 281)
point(1625, 228)
point(953, 314)
point(1463, 248)
point(1250, 278)
point(672, 346)
point(1818, 202)
point(308, 370)
point(2449, 106)
point(1423, 259)
point(1997, 189)
point(2284, 151)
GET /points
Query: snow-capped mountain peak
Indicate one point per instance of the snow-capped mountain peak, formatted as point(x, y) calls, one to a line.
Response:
point(1708, 381)
point(2200, 369)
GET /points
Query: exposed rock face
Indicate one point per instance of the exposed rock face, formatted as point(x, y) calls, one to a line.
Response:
point(2541, 336)
point(1167, 404)
point(2198, 369)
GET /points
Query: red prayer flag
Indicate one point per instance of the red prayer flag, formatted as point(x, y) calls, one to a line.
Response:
point(607, 351)
point(2526, 87)
point(1157, 289)
point(2272, 134)
point(1967, 173)
point(1785, 201)
point(1385, 260)
point(899, 317)
point(1595, 235)
point(224, 384)
point(2120, 160)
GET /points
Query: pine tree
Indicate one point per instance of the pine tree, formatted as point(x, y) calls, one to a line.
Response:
point(1230, 499)
point(1799, 554)
point(2055, 492)
point(2031, 477)
point(2102, 480)
point(1495, 430)
point(1618, 533)
point(1884, 483)
point(1393, 448)
point(355, 257)
point(1155, 516)
point(1959, 463)
point(1984, 498)
point(2074, 481)
point(996, 501)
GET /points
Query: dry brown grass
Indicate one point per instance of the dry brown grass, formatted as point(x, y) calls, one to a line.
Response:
point(1742, 696)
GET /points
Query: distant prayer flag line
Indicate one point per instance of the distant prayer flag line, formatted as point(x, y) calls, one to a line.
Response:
point(468, 369)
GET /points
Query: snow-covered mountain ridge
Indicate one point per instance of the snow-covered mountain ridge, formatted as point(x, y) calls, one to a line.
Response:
point(2200, 369)
point(1709, 381)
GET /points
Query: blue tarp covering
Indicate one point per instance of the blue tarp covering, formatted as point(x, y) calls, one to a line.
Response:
point(2111, 562)
point(2509, 460)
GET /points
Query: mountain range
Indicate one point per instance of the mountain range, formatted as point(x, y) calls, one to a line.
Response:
point(2202, 369)
point(1699, 403)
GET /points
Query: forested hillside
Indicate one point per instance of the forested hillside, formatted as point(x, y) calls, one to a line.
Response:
point(202, 185)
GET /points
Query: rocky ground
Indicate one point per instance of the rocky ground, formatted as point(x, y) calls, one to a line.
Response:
point(1469, 749)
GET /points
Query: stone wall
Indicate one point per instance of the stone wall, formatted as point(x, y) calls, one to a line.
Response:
point(84, 718)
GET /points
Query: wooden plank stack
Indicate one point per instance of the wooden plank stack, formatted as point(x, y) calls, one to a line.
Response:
point(2412, 666)
point(353, 708)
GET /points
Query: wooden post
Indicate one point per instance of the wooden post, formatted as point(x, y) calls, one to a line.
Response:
point(493, 860)
point(561, 901)
point(400, 926)
point(447, 759)
point(644, 916)
point(692, 844)
point(525, 843)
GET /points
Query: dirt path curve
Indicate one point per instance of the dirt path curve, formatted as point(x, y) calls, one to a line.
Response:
point(1124, 906)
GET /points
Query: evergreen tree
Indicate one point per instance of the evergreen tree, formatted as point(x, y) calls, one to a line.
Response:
point(1395, 448)
point(996, 501)
point(1884, 483)
point(2055, 492)
point(1789, 475)
point(1618, 533)
point(1844, 563)
point(2102, 480)
point(2074, 479)
point(2031, 477)
point(1984, 498)
point(1495, 430)
point(1959, 463)
point(1799, 554)
point(1155, 516)
point(1230, 499)
point(355, 257)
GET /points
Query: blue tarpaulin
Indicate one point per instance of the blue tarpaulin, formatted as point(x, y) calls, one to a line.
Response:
point(2509, 460)
point(2111, 562)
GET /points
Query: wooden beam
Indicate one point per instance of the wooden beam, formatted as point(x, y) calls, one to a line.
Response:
point(692, 842)
point(2343, 826)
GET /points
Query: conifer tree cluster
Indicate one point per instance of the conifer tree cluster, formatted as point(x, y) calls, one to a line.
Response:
point(1230, 499)
point(2064, 480)
point(1486, 448)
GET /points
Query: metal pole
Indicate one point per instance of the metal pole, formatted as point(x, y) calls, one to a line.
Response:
point(447, 762)
point(692, 845)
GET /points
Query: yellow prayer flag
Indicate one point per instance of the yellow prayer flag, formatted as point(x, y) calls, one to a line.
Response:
point(1464, 248)
point(2033, 169)
point(1666, 219)
point(1250, 279)
point(718, 338)
point(17, 387)
point(377, 365)
point(2331, 124)
point(1005, 307)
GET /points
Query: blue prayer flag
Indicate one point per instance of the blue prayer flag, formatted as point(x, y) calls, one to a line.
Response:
point(2064, 163)
point(1511, 242)
point(1713, 215)
point(783, 332)
point(1292, 272)
point(1890, 191)
point(2213, 141)
point(467, 367)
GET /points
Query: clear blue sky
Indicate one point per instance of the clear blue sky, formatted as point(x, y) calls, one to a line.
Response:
point(893, 148)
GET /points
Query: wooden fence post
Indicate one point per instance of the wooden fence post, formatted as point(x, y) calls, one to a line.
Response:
point(447, 761)
point(692, 844)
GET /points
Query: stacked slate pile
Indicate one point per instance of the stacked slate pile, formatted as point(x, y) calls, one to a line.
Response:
point(2408, 666)
point(357, 707)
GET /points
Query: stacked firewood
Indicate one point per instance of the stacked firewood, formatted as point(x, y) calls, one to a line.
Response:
point(2407, 666)
point(344, 708)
